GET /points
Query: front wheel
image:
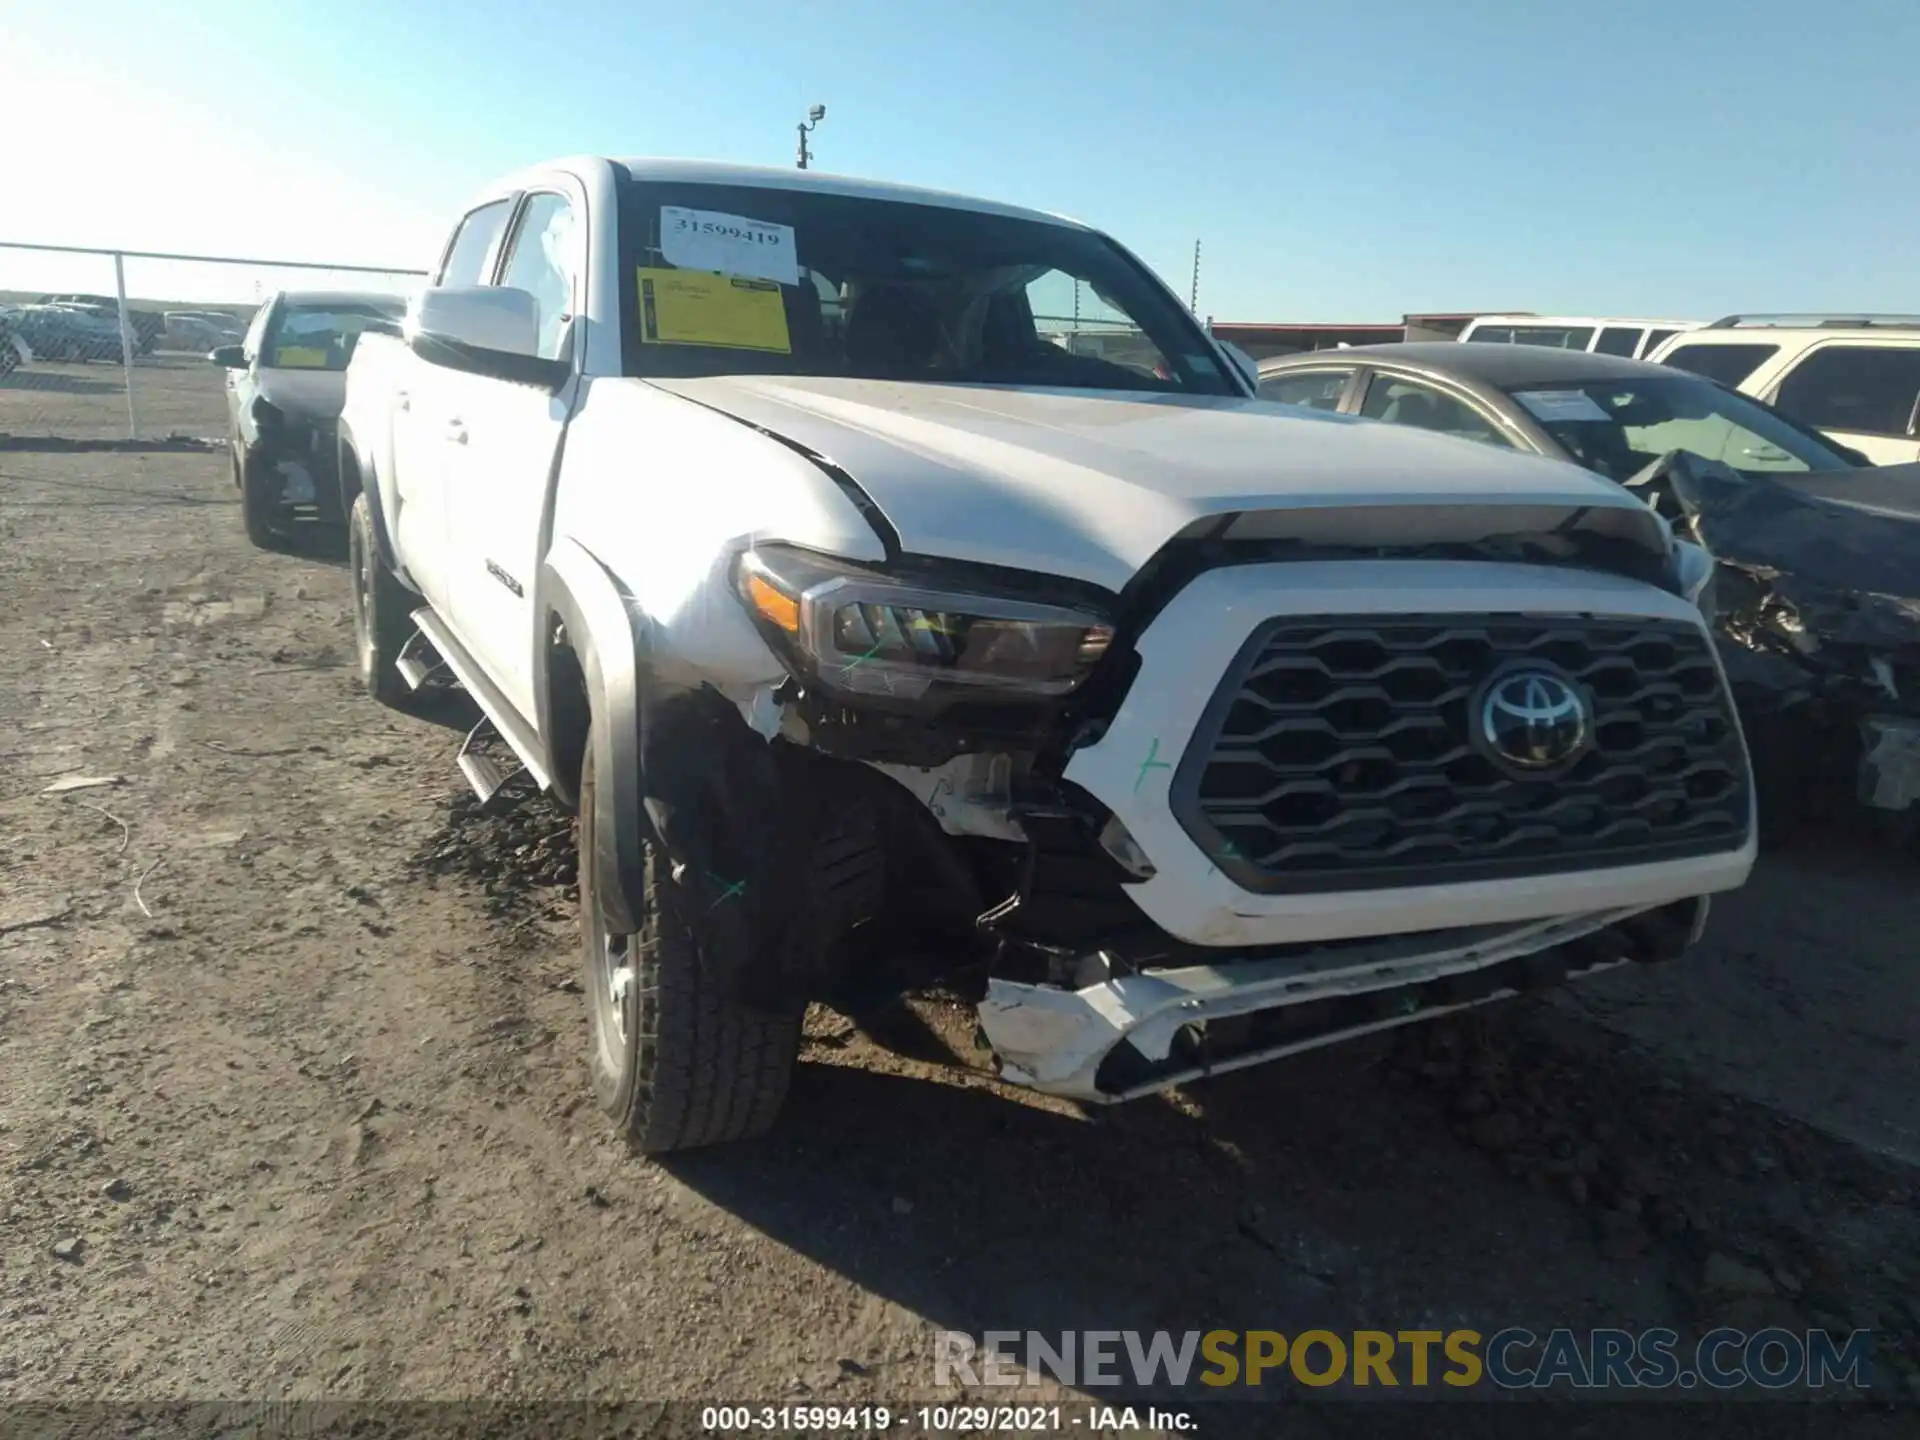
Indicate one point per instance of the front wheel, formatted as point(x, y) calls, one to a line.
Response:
point(382, 612)
point(677, 1062)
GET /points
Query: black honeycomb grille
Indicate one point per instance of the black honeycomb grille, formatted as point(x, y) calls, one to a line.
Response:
point(1337, 753)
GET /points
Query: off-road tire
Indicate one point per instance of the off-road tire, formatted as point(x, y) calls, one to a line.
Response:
point(687, 1065)
point(382, 611)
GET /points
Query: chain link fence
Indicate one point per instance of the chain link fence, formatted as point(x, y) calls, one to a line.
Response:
point(103, 345)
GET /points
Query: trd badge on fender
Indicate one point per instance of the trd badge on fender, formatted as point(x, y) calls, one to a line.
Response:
point(494, 569)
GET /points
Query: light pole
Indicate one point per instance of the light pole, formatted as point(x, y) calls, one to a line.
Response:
point(815, 114)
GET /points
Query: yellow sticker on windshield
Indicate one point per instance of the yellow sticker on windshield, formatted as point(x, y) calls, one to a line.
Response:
point(694, 307)
point(299, 357)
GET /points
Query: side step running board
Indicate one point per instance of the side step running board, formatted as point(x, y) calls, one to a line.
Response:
point(412, 667)
point(515, 731)
point(483, 774)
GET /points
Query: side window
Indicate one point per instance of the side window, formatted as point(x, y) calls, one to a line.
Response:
point(1657, 338)
point(1315, 389)
point(544, 262)
point(1729, 364)
point(1864, 388)
point(466, 262)
point(1557, 337)
point(1406, 402)
point(1492, 334)
point(1618, 340)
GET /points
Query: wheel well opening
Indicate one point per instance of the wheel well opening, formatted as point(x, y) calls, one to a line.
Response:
point(349, 473)
point(568, 713)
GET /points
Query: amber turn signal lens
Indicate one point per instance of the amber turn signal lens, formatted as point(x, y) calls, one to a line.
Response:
point(782, 610)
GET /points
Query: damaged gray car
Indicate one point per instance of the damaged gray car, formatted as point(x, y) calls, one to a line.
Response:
point(286, 382)
point(1817, 599)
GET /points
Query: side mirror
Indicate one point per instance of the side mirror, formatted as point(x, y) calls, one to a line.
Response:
point(231, 357)
point(491, 330)
point(1243, 362)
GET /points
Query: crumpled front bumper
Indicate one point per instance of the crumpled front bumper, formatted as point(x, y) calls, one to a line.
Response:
point(1060, 1041)
point(303, 459)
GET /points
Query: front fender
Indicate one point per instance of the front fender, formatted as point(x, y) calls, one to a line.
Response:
point(358, 474)
point(608, 637)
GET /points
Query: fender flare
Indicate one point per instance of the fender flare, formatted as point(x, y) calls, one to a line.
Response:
point(609, 639)
point(345, 448)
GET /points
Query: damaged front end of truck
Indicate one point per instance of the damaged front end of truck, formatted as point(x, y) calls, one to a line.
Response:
point(930, 795)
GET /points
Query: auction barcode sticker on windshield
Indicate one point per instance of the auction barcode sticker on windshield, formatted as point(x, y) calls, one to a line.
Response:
point(1560, 405)
point(730, 244)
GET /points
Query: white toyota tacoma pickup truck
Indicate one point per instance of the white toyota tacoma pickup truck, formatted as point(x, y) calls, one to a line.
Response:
point(905, 588)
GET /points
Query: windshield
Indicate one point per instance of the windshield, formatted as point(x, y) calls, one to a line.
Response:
point(1618, 428)
point(321, 337)
point(761, 281)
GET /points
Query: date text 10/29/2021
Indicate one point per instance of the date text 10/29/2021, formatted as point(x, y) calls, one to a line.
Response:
point(941, 1419)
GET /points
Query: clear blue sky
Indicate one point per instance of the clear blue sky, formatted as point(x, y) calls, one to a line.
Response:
point(1340, 162)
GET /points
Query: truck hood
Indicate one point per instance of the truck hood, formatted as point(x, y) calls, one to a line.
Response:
point(1090, 484)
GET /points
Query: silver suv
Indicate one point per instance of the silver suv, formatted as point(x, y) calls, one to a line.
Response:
point(1855, 377)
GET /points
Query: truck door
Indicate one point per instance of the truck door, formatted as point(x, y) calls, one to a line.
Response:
point(505, 440)
point(424, 402)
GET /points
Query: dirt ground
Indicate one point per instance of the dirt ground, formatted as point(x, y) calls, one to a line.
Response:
point(293, 1098)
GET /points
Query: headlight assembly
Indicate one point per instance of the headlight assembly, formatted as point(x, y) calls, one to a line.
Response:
point(861, 633)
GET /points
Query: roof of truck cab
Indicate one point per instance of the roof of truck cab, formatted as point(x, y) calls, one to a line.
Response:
point(711, 172)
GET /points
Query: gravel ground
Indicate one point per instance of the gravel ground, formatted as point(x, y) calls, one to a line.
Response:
point(295, 1103)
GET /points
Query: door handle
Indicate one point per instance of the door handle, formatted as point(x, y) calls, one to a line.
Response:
point(456, 432)
point(401, 401)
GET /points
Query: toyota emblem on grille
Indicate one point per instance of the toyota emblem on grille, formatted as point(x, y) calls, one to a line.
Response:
point(1533, 718)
